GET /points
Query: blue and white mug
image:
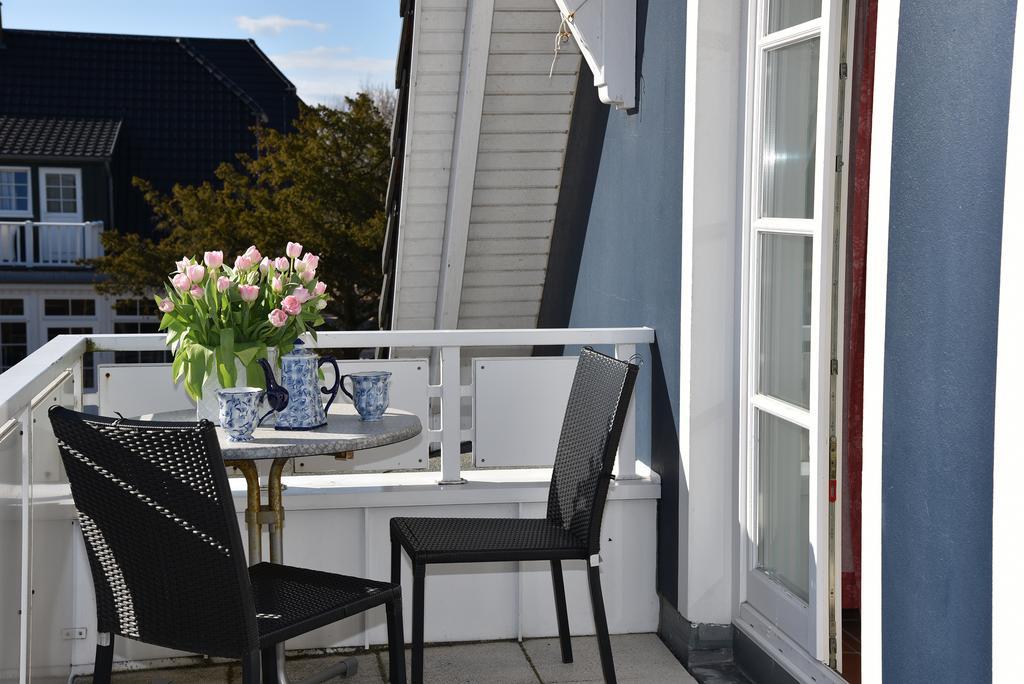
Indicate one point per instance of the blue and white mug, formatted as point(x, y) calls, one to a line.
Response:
point(369, 393)
point(239, 408)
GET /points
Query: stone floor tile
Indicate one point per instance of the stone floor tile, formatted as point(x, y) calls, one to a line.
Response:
point(638, 658)
point(500, 662)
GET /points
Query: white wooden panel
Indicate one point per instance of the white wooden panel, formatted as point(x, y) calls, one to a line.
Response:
point(424, 230)
point(518, 196)
point(527, 5)
point(417, 247)
point(507, 262)
point(518, 409)
point(442, 20)
point(525, 230)
point(494, 294)
point(507, 214)
point(413, 309)
point(137, 389)
point(526, 43)
point(421, 279)
point(528, 104)
point(517, 179)
point(424, 212)
point(509, 160)
point(527, 22)
point(438, 63)
point(511, 247)
point(431, 142)
point(420, 263)
point(440, 42)
point(423, 295)
point(502, 278)
point(531, 63)
point(497, 322)
point(429, 161)
point(521, 142)
point(500, 308)
point(539, 123)
point(509, 84)
point(435, 123)
point(408, 392)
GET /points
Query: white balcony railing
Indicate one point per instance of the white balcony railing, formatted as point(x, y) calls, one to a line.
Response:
point(28, 243)
point(46, 589)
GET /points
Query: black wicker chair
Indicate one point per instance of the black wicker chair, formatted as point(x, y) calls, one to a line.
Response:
point(600, 395)
point(166, 555)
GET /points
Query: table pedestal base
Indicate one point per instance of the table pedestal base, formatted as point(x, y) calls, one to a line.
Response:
point(271, 514)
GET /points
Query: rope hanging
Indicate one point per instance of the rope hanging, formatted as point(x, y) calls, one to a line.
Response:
point(564, 34)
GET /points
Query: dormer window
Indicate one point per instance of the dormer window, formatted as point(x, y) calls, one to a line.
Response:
point(15, 191)
point(61, 195)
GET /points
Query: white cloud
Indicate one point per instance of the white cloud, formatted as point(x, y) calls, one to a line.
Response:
point(324, 75)
point(275, 23)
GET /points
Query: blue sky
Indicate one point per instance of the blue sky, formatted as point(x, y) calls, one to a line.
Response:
point(328, 48)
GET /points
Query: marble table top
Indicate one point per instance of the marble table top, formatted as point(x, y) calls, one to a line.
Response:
point(344, 431)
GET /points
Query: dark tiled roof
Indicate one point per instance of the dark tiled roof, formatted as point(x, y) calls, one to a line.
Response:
point(185, 105)
point(23, 136)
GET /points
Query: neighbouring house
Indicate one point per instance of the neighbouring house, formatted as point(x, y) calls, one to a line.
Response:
point(81, 114)
point(805, 199)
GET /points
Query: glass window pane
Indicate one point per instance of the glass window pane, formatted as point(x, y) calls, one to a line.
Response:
point(785, 13)
point(790, 122)
point(784, 317)
point(12, 307)
point(783, 503)
point(56, 307)
point(53, 206)
point(83, 307)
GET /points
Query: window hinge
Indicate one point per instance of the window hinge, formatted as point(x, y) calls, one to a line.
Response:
point(834, 367)
point(839, 163)
point(843, 70)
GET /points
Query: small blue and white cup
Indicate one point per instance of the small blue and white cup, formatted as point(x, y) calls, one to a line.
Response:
point(369, 393)
point(239, 408)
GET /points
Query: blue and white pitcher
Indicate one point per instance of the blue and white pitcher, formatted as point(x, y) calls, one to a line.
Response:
point(304, 407)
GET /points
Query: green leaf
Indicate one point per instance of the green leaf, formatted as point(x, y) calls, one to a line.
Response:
point(226, 358)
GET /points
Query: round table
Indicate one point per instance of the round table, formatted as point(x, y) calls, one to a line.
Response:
point(344, 433)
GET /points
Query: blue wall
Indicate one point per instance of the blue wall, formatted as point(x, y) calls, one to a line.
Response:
point(629, 268)
point(948, 163)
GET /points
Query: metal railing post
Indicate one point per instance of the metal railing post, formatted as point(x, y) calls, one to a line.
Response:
point(30, 244)
point(451, 416)
point(626, 458)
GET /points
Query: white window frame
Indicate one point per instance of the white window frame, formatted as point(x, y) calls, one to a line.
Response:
point(60, 217)
point(798, 626)
point(15, 212)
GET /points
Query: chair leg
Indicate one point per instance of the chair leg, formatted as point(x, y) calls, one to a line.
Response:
point(104, 659)
point(560, 611)
point(251, 668)
point(604, 644)
point(418, 576)
point(396, 641)
point(268, 661)
point(396, 562)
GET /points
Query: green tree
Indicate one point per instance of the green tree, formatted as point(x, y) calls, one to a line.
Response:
point(322, 185)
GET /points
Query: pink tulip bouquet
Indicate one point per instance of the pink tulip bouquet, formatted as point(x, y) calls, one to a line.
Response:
point(219, 317)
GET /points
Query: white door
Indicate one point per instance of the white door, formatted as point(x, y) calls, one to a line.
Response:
point(794, 66)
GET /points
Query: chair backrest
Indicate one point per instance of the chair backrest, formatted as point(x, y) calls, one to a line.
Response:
point(160, 531)
point(598, 400)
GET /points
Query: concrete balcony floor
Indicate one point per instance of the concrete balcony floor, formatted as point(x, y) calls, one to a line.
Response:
point(639, 658)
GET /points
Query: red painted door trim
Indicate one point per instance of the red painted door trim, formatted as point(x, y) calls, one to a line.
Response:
point(863, 73)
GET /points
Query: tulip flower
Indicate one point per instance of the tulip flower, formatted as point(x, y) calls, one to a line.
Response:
point(213, 259)
point(321, 305)
point(253, 254)
point(311, 260)
point(281, 264)
point(197, 292)
point(243, 263)
point(196, 273)
point(291, 305)
point(277, 318)
point(307, 275)
point(183, 264)
point(265, 265)
point(294, 249)
point(181, 282)
point(165, 305)
point(223, 283)
point(320, 288)
point(300, 266)
point(276, 284)
point(248, 293)
point(302, 294)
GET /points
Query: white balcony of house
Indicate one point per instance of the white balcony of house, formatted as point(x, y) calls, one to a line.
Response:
point(508, 408)
point(32, 244)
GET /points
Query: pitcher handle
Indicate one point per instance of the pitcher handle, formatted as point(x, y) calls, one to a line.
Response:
point(333, 389)
point(341, 384)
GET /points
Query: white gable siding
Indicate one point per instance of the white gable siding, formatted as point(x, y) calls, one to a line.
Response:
point(433, 97)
